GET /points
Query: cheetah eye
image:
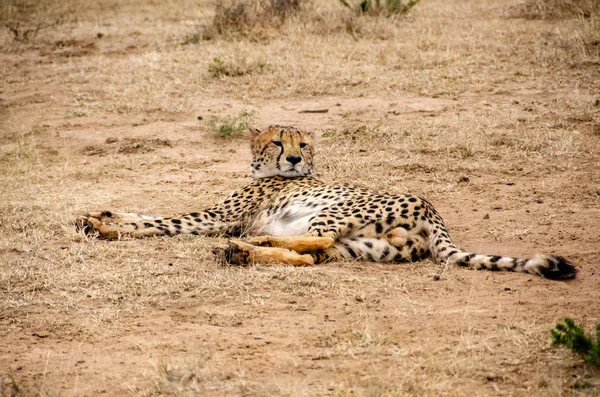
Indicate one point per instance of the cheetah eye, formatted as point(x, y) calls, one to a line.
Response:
point(303, 145)
point(278, 143)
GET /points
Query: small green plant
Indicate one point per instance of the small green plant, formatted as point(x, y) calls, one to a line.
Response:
point(231, 127)
point(388, 7)
point(573, 337)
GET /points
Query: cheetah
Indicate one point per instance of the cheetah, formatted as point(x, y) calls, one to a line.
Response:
point(293, 218)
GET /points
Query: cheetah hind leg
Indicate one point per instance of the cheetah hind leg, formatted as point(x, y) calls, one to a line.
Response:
point(411, 245)
point(240, 253)
point(113, 217)
point(301, 244)
point(311, 243)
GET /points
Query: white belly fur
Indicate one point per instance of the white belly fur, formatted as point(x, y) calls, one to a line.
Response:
point(293, 220)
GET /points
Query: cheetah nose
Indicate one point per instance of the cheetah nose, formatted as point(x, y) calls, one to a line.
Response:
point(294, 159)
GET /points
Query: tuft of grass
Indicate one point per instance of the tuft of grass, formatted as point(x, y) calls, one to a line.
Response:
point(233, 17)
point(240, 66)
point(378, 7)
point(191, 38)
point(574, 337)
point(171, 379)
point(558, 9)
point(249, 17)
point(26, 18)
point(231, 127)
point(23, 32)
point(585, 40)
point(201, 376)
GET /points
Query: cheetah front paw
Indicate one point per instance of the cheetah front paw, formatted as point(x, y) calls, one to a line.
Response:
point(83, 223)
point(97, 224)
point(234, 253)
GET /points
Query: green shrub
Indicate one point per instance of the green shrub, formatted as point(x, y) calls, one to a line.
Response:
point(231, 127)
point(573, 337)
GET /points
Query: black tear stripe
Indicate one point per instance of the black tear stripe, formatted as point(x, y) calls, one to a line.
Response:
point(280, 153)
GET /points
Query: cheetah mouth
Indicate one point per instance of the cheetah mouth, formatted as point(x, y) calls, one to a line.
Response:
point(292, 171)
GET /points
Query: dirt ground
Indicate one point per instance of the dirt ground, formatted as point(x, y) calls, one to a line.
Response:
point(489, 109)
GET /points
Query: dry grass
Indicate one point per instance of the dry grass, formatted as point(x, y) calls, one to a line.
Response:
point(253, 19)
point(558, 9)
point(489, 112)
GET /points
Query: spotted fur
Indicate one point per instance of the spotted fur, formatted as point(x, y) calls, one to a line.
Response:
point(310, 221)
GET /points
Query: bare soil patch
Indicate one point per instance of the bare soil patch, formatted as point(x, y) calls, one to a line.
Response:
point(492, 116)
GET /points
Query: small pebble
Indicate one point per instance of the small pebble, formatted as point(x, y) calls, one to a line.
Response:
point(436, 277)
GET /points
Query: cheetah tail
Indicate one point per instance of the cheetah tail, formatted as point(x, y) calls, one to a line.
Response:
point(551, 267)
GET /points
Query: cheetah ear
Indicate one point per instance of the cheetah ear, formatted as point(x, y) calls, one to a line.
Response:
point(253, 131)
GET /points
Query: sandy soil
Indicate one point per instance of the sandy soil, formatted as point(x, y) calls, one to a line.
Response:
point(493, 118)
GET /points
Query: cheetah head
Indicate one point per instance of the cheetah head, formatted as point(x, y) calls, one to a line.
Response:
point(284, 151)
